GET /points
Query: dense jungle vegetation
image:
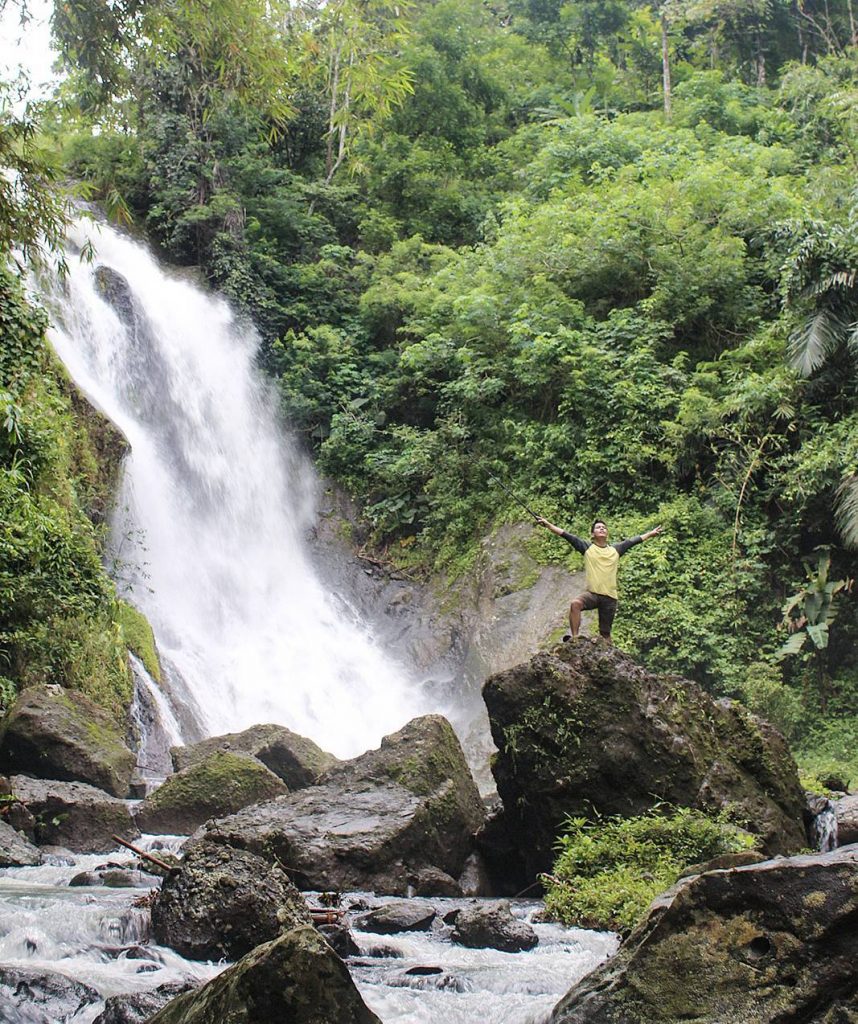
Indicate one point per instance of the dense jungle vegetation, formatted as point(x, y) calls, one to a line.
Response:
point(606, 252)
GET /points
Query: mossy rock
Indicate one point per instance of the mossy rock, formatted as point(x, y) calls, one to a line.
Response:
point(376, 822)
point(222, 902)
point(55, 733)
point(296, 760)
point(139, 638)
point(586, 731)
point(221, 784)
point(296, 978)
point(768, 942)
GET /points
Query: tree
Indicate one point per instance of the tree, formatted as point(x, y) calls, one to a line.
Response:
point(349, 51)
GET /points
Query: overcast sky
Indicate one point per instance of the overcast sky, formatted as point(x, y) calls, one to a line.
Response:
point(27, 46)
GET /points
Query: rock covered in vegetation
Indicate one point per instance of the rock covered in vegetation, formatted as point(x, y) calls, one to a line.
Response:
point(586, 730)
point(71, 814)
point(296, 978)
point(295, 759)
point(37, 996)
point(138, 1007)
point(373, 822)
point(399, 916)
point(15, 850)
point(493, 925)
point(217, 785)
point(56, 733)
point(771, 941)
point(222, 902)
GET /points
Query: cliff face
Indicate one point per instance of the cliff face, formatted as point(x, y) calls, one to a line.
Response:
point(586, 730)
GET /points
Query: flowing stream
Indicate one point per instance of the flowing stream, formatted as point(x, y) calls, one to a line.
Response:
point(100, 936)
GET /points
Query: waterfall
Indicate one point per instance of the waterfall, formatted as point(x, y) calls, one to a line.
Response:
point(208, 534)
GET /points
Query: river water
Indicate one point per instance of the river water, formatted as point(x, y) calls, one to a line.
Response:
point(99, 936)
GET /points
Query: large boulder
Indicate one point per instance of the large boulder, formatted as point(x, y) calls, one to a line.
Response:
point(55, 733)
point(219, 784)
point(71, 814)
point(222, 902)
point(587, 730)
point(296, 978)
point(15, 850)
point(374, 822)
point(775, 941)
point(296, 760)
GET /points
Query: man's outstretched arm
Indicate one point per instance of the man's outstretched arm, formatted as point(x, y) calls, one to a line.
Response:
point(624, 545)
point(576, 542)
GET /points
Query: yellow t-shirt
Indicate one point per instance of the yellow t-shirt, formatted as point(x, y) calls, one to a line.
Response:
point(600, 565)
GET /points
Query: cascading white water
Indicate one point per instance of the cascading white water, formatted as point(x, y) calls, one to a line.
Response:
point(216, 502)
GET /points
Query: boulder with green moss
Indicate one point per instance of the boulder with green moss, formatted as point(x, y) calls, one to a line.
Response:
point(375, 822)
point(219, 785)
point(296, 978)
point(769, 942)
point(297, 760)
point(55, 733)
point(585, 730)
point(222, 902)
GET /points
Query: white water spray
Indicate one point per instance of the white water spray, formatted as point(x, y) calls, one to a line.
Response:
point(211, 519)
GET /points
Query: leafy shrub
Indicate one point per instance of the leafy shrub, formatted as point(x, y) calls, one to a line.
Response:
point(609, 871)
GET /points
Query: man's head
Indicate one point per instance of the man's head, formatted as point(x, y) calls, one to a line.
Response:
point(599, 531)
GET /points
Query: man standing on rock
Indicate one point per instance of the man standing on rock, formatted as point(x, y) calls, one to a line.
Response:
point(600, 564)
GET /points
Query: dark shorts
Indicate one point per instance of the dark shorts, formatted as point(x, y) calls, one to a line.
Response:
point(607, 609)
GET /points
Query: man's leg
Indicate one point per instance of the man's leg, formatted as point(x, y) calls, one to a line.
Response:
point(575, 616)
point(607, 611)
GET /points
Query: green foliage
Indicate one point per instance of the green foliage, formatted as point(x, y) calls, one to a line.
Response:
point(55, 597)
point(609, 871)
point(138, 637)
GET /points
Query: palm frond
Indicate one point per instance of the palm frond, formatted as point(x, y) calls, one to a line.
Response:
point(846, 510)
point(811, 344)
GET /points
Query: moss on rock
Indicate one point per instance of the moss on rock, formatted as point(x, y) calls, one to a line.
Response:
point(138, 637)
point(220, 785)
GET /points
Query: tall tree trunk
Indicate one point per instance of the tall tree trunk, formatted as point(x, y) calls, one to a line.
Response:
point(760, 57)
point(853, 29)
point(665, 65)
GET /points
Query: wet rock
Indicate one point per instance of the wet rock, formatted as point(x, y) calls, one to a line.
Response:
point(775, 941)
point(296, 978)
point(114, 879)
point(492, 925)
point(431, 881)
point(138, 1007)
point(222, 902)
point(15, 850)
point(401, 916)
point(20, 819)
point(587, 730)
point(475, 879)
point(55, 733)
point(339, 938)
point(846, 811)
point(213, 787)
point(295, 759)
point(74, 815)
point(374, 822)
point(37, 996)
